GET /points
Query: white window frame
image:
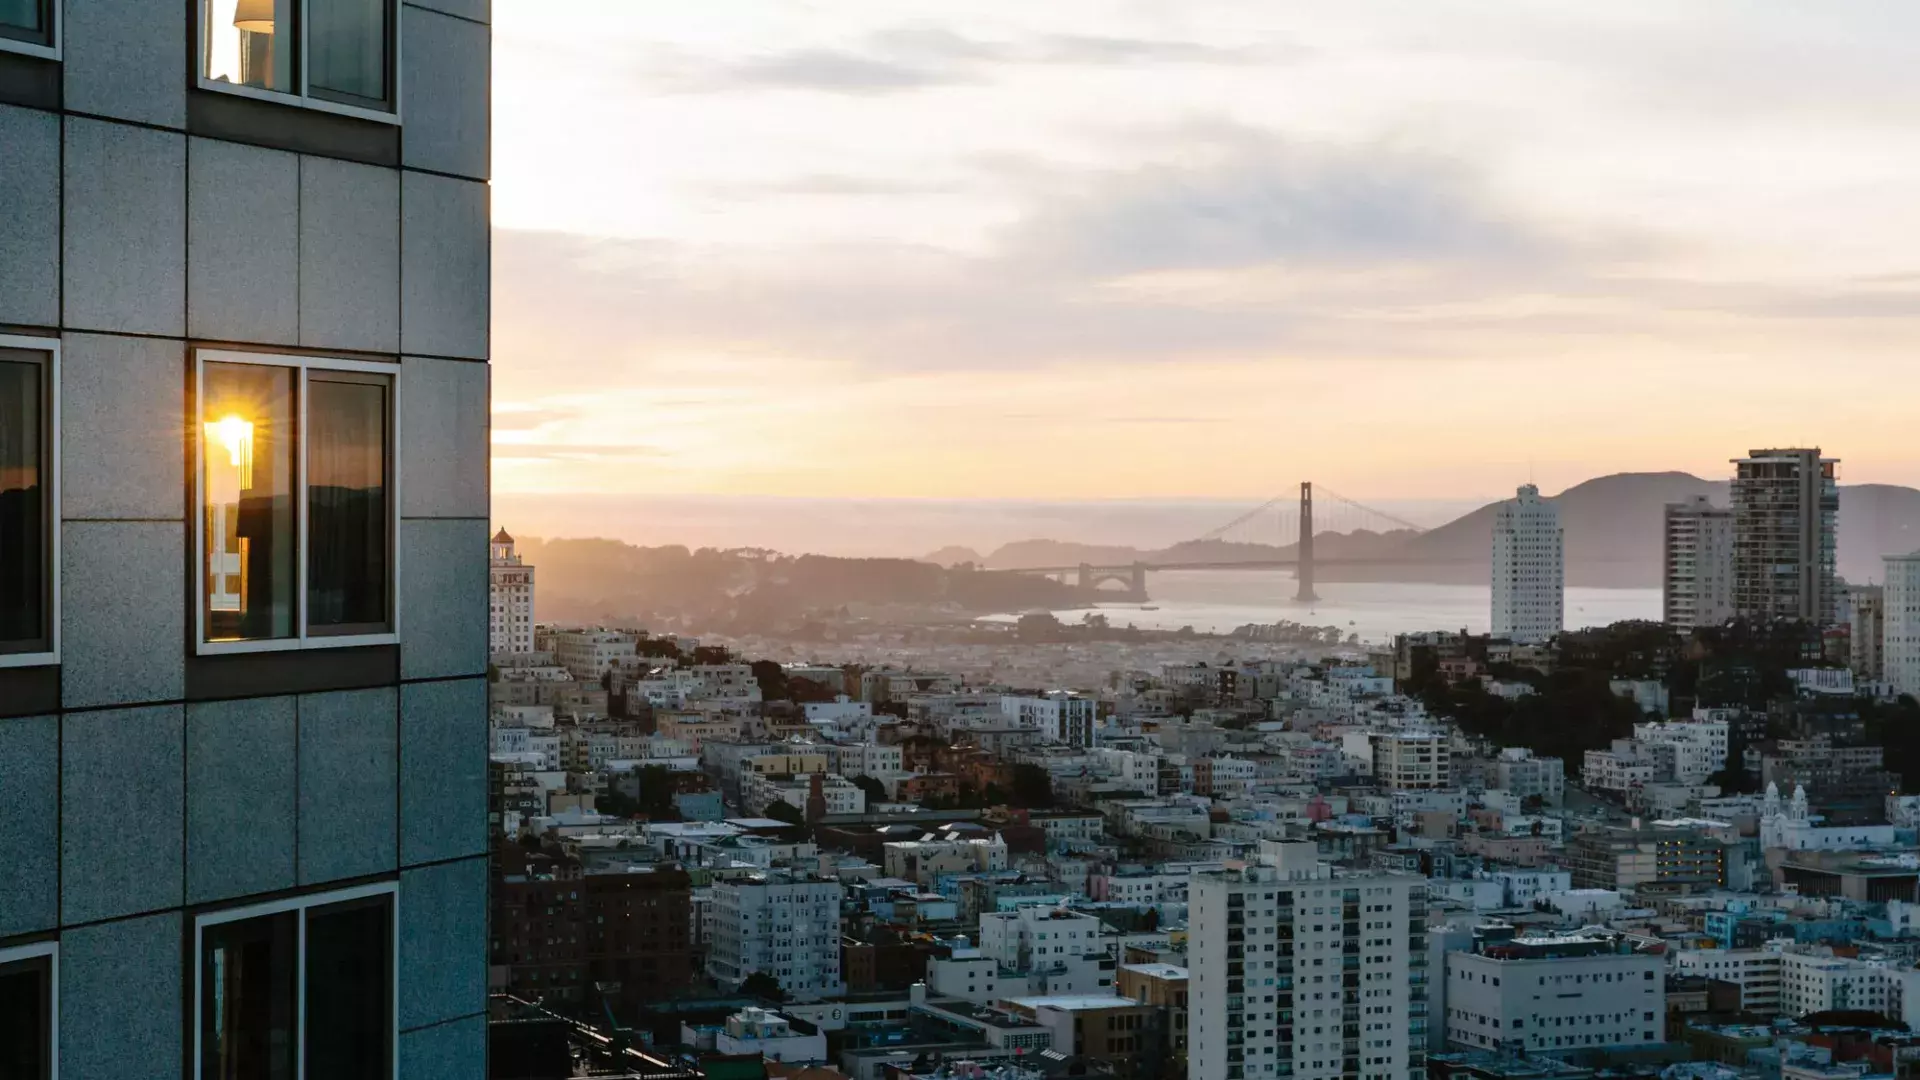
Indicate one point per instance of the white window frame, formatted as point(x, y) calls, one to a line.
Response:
point(304, 99)
point(30, 48)
point(301, 639)
point(389, 889)
point(50, 950)
point(51, 347)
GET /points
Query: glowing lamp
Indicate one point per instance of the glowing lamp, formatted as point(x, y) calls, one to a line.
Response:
point(254, 15)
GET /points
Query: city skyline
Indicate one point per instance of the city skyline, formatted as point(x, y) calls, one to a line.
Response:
point(887, 251)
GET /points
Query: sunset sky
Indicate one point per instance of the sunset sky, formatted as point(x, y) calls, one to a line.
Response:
point(1131, 248)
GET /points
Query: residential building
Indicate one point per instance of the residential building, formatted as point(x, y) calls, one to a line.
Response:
point(784, 923)
point(593, 937)
point(1624, 858)
point(591, 654)
point(1529, 576)
point(1411, 761)
point(1755, 971)
point(1520, 773)
point(1818, 981)
point(1697, 567)
point(1867, 631)
point(510, 595)
point(1163, 986)
point(1295, 969)
point(1060, 717)
point(1901, 612)
point(1786, 504)
point(1549, 994)
point(243, 371)
point(1122, 1034)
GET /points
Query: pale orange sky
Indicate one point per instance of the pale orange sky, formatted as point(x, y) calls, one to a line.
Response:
point(1128, 248)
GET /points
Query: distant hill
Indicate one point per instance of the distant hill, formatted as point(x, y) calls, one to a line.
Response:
point(953, 555)
point(1613, 536)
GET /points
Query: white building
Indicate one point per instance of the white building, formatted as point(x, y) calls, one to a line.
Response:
point(1813, 982)
point(510, 596)
point(1698, 747)
point(1755, 971)
point(758, 1031)
point(1790, 826)
point(1270, 993)
point(1411, 761)
point(1697, 577)
point(1900, 650)
point(1060, 716)
point(1556, 993)
point(782, 923)
point(1518, 772)
point(589, 654)
point(1529, 577)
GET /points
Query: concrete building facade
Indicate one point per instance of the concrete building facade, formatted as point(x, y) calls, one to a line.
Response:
point(510, 596)
point(1697, 565)
point(1900, 642)
point(1294, 971)
point(1553, 994)
point(1529, 574)
point(244, 274)
point(783, 923)
point(1786, 508)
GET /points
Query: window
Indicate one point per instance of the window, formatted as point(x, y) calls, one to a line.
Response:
point(30, 1012)
point(31, 27)
point(334, 55)
point(297, 988)
point(29, 501)
point(296, 489)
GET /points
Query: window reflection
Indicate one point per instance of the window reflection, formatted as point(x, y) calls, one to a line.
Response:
point(347, 530)
point(26, 1015)
point(248, 442)
point(249, 42)
point(347, 50)
point(24, 569)
point(248, 1006)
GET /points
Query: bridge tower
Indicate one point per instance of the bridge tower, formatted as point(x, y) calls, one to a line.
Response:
point(1304, 575)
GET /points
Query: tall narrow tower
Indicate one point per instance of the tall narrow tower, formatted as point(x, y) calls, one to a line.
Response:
point(1304, 574)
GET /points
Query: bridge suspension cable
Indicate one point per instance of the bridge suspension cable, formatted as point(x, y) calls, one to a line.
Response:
point(1363, 507)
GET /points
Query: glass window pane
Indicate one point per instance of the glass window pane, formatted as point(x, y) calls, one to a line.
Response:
point(350, 990)
point(248, 441)
point(24, 576)
point(248, 42)
point(248, 975)
point(26, 1019)
point(347, 49)
point(348, 524)
point(25, 20)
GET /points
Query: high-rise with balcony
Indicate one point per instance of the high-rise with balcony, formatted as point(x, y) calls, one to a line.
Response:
point(1786, 508)
point(243, 512)
point(1298, 970)
point(1697, 566)
point(1529, 576)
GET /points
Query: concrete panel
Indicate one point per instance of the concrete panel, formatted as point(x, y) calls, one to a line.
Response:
point(444, 274)
point(444, 93)
point(452, 1051)
point(349, 256)
point(122, 399)
point(477, 10)
point(122, 612)
point(243, 243)
point(30, 227)
point(347, 784)
point(121, 1004)
point(443, 947)
point(444, 426)
point(30, 804)
point(120, 812)
point(443, 770)
point(443, 598)
point(240, 798)
point(123, 264)
point(127, 59)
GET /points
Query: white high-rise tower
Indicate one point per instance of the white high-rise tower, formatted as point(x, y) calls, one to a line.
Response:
point(510, 604)
point(1900, 648)
point(1529, 576)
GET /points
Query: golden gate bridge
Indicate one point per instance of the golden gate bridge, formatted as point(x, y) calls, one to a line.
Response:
point(1281, 524)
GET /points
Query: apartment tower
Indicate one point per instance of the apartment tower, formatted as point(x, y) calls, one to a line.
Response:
point(1900, 612)
point(1298, 970)
point(1867, 631)
point(1697, 568)
point(243, 512)
point(1786, 506)
point(1529, 574)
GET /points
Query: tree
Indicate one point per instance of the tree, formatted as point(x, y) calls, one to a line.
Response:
point(772, 679)
point(876, 791)
point(781, 810)
point(763, 986)
point(1032, 787)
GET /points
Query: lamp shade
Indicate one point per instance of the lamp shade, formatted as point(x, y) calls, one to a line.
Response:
point(254, 15)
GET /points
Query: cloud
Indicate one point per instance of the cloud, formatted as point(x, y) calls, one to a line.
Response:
point(553, 451)
point(917, 57)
